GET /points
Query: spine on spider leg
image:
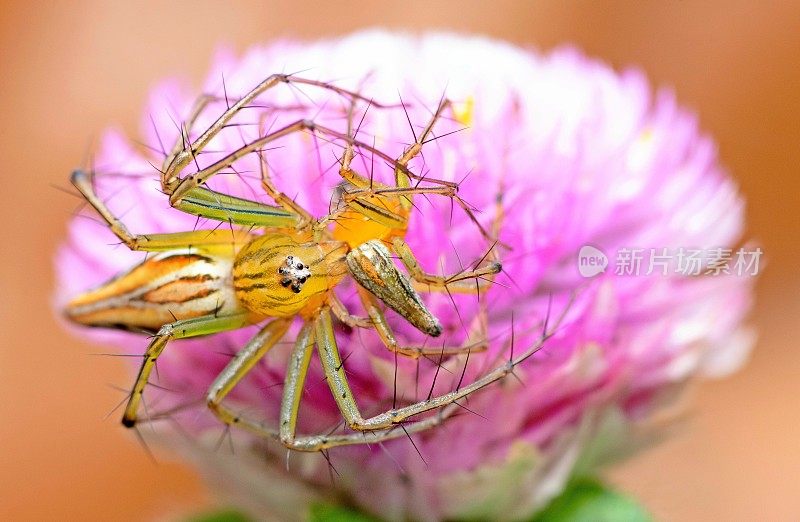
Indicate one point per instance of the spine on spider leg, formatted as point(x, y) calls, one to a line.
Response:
point(173, 285)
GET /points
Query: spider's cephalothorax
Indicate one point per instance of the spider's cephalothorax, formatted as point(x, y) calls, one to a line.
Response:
point(284, 263)
point(282, 274)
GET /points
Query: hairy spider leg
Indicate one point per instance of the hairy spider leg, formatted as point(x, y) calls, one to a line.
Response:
point(177, 330)
point(187, 194)
point(244, 361)
point(209, 240)
point(388, 209)
point(182, 155)
point(379, 428)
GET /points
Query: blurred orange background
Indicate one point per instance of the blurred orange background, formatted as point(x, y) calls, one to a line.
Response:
point(70, 70)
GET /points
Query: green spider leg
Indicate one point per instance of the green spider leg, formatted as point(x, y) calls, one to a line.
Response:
point(384, 426)
point(187, 193)
point(222, 241)
point(181, 155)
point(177, 330)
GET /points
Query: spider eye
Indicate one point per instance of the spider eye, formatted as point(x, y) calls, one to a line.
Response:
point(294, 273)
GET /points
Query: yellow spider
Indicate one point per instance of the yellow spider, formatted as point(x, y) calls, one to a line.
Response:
point(283, 263)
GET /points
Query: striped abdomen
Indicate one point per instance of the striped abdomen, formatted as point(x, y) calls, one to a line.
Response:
point(177, 284)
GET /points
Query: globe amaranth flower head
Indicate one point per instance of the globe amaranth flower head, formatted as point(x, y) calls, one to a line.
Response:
point(560, 150)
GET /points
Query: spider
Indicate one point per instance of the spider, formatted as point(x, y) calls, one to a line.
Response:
point(281, 263)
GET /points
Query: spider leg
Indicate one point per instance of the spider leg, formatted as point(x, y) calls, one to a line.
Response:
point(374, 200)
point(402, 180)
point(333, 367)
point(382, 427)
point(207, 203)
point(399, 415)
point(180, 144)
point(295, 380)
point(293, 386)
point(200, 202)
point(191, 183)
point(393, 424)
point(279, 197)
point(340, 311)
point(182, 329)
point(182, 155)
point(240, 365)
point(208, 240)
point(325, 441)
point(187, 195)
point(465, 281)
point(337, 381)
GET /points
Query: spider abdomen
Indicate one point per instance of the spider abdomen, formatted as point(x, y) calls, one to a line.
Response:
point(172, 285)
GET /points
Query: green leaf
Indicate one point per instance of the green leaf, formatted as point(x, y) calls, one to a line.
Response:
point(587, 500)
point(584, 500)
point(330, 513)
point(223, 515)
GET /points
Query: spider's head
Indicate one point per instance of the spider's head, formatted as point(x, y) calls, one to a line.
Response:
point(362, 216)
point(280, 274)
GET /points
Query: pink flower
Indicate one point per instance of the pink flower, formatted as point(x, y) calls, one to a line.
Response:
point(581, 154)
